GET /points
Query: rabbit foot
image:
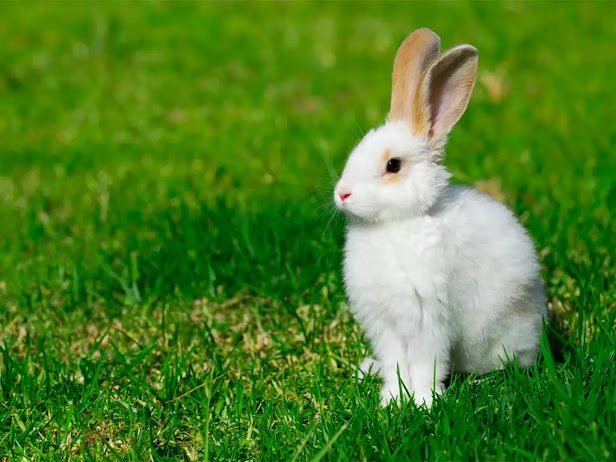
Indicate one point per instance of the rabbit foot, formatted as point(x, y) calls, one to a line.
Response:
point(368, 366)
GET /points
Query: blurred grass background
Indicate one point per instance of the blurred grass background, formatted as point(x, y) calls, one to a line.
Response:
point(169, 267)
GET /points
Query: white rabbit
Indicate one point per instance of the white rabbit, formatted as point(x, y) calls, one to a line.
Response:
point(439, 276)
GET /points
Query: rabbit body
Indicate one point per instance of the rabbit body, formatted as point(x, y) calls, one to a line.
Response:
point(458, 286)
point(439, 276)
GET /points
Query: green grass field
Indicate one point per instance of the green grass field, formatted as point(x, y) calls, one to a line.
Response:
point(170, 282)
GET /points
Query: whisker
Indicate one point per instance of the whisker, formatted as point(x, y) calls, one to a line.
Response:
point(335, 218)
point(361, 133)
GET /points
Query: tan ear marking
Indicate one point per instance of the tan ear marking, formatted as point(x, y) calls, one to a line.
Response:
point(420, 117)
point(414, 56)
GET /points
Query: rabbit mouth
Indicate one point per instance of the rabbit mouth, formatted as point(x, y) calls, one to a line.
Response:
point(358, 216)
point(345, 204)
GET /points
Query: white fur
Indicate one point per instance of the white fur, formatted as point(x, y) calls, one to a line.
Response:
point(437, 275)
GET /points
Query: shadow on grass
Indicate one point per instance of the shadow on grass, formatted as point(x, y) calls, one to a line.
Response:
point(558, 339)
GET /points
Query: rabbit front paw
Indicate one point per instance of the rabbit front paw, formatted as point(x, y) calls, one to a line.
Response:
point(368, 366)
point(426, 397)
point(393, 391)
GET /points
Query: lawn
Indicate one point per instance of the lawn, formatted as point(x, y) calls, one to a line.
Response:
point(170, 283)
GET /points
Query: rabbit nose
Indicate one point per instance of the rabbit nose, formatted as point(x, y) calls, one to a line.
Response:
point(344, 195)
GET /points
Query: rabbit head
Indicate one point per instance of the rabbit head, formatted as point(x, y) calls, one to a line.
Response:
point(395, 172)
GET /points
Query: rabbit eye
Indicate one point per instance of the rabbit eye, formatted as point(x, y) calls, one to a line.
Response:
point(394, 165)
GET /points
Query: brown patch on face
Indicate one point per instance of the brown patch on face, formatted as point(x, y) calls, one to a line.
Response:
point(392, 178)
point(388, 177)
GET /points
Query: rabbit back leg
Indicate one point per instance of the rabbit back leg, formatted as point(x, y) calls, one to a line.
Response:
point(519, 334)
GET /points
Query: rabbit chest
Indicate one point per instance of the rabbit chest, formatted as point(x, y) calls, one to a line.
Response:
point(391, 267)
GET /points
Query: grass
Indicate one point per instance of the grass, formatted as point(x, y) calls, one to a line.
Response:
point(169, 270)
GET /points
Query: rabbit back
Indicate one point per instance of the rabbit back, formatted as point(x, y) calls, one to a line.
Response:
point(496, 296)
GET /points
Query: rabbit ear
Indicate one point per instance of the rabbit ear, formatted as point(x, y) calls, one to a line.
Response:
point(414, 57)
point(447, 87)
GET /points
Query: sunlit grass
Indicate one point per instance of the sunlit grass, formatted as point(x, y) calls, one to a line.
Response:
point(170, 265)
